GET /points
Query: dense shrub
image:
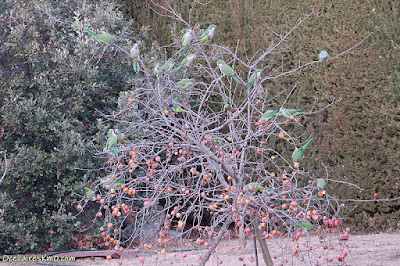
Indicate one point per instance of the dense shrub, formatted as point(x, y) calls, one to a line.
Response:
point(55, 80)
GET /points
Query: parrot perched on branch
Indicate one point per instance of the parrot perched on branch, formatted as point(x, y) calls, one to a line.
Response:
point(185, 83)
point(255, 76)
point(208, 34)
point(298, 152)
point(186, 39)
point(322, 57)
point(305, 225)
point(290, 113)
point(89, 194)
point(158, 70)
point(227, 70)
point(321, 183)
point(177, 108)
point(269, 114)
point(167, 67)
point(135, 53)
point(110, 181)
point(103, 37)
point(228, 107)
point(256, 187)
point(112, 141)
point(187, 61)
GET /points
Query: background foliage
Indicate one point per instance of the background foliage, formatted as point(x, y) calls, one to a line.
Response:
point(55, 80)
point(358, 139)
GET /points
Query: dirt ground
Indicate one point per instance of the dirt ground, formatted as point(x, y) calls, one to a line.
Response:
point(363, 250)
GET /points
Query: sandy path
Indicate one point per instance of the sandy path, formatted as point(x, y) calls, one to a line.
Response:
point(363, 250)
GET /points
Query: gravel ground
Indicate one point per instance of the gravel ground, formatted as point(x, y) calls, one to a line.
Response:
point(363, 250)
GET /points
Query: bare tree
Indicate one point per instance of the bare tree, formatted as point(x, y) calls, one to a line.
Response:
point(196, 150)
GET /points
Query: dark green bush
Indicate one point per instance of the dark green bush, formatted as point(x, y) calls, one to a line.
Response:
point(55, 80)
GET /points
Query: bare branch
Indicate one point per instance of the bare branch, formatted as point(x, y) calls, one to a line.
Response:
point(5, 167)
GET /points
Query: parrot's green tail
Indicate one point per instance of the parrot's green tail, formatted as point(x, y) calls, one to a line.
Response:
point(92, 33)
point(237, 80)
point(179, 69)
point(182, 51)
point(306, 145)
point(136, 66)
point(115, 152)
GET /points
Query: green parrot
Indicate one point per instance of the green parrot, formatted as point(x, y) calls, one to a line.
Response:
point(177, 108)
point(158, 70)
point(322, 57)
point(112, 142)
point(298, 152)
point(115, 152)
point(187, 61)
point(185, 83)
point(256, 187)
point(103, 37)
point(135, 53)
point(269, 114)
point(305, 225)
point(255, 76)
point(89, 193)
point(186, 39)
point(227, 105)
point(167, 67)
point(108, 182)
point(227, 70)
point(208, 34)
point(220, 141)
point(290, 113)
point(321, 183)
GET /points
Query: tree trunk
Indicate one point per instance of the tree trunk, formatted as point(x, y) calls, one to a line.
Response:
point(216, 242)
point(263, 245)
point(242, 236)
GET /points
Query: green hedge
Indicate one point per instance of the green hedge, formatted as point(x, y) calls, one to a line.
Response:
point(357, 138)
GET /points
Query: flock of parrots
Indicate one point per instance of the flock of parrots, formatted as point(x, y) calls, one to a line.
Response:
point(207, 35)
point(115, 137)
point(225, 69)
